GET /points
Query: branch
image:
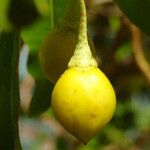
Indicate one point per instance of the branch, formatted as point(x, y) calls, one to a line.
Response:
point(138, 52)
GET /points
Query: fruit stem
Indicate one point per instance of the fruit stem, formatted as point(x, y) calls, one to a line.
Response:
point(76, 21)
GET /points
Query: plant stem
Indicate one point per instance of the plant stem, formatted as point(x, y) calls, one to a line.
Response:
point(138, 52)
point(75, 20)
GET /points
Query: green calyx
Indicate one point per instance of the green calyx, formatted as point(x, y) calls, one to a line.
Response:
point(82, 57)
point(76, 21)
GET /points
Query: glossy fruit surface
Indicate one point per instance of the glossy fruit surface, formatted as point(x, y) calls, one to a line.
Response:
point(83, 101)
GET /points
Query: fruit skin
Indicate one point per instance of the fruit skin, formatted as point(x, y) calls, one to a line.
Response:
point(56, 52)
point(83, 101)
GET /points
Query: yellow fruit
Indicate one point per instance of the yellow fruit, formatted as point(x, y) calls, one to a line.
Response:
point(83, 101)
point(56, 52)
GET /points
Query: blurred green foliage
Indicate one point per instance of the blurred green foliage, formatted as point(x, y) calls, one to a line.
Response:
point(4, 22)
point(33, 36)
point(130, 127)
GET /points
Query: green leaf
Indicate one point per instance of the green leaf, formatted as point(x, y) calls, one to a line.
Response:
point(33, 36)
point(9, 91)
point(138, 12)
point(41, 98)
